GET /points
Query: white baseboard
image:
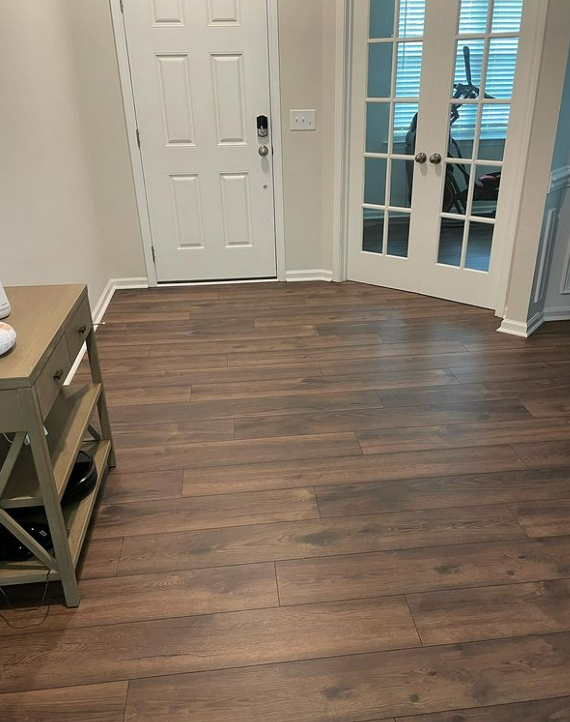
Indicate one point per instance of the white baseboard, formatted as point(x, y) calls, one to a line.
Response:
point(524, 330)
point(101, 306)
point(514, 328)
point(557, 314)
point(520, 328)
point(317, 274)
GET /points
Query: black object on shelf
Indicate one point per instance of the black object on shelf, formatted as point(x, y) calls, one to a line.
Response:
point(82, 480)
point(12, 550)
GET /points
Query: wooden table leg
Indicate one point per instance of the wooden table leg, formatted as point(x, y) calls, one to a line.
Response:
point(52, 505)
point(97, 376)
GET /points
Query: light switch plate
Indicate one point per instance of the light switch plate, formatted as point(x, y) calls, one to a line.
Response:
point(303, 120)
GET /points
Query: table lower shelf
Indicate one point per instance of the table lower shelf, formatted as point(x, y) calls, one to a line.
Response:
point(66, 425)
point(77, 517)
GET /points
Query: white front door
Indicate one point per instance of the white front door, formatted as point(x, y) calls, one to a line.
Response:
point(200, 76)
point(434, 134)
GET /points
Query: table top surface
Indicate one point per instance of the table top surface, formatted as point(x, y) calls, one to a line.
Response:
point(39, 314)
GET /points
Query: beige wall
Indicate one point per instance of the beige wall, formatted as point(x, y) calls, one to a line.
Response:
point(67, 204)
point(47, 219)
point(104, 132)
point(66, 200)
point(306, 43)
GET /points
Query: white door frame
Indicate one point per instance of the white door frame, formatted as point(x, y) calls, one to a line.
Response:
point(527, 77)
point(119, 31)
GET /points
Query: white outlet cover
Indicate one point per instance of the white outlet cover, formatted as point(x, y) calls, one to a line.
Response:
point(303, 120)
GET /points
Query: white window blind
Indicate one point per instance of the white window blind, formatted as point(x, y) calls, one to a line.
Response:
point(500, 72)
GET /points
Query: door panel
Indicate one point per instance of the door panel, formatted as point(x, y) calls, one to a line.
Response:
point(435, 78)
point(200, 79)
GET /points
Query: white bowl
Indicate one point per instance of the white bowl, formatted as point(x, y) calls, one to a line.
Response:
point(7, 338)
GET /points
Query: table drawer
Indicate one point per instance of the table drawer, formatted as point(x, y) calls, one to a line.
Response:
point(78, 328)
point(53, 375)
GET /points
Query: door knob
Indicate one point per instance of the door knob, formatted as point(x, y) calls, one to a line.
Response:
point(435, 159)
point(263, 151)
point(421, 158)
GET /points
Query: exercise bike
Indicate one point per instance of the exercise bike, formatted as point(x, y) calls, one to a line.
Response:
point(457, 174)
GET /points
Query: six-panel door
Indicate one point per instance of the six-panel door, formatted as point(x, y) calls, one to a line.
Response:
point(200, 80)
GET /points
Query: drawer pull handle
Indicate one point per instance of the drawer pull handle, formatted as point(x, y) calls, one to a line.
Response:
point(58, 375)
point(81, 330)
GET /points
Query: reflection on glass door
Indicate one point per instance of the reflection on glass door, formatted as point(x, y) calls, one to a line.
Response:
point(395, 48)
point(485, 63)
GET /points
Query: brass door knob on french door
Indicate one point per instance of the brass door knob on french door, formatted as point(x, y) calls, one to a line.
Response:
point(263, 151)
point(435, 159)
point(421, 158)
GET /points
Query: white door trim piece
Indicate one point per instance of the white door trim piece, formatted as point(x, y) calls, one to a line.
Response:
point(119, 32)
point(342, 139)
point(523, 112)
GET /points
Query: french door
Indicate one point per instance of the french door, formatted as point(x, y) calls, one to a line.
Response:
point(432, 139)
point(200, 79)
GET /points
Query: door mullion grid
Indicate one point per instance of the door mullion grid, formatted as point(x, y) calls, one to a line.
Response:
point(476, 140)
point(476, 101)
point(391, 127)
point(393, 99)
point(482, 36)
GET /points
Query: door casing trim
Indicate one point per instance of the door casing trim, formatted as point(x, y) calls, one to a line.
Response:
point(120, 36)
point(343, 99)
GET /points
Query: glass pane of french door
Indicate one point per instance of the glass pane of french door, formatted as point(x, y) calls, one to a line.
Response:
point(486, 49)
point(394, 67)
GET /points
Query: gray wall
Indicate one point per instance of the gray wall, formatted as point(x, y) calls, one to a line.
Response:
point(552, 266)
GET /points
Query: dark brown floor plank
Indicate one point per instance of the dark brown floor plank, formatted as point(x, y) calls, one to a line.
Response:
point(122, 488)
point(129, 436)
point(124, 315)
point(519, 390)
point(494, 488)
point(315, 538)
point(512, 372)
point(132, 363)
point(183, 334)
point(149, 596)
point(543, 710)
point(95, 703)
point(544, 455)
point(145, 395)
point(344, 470)
point(492, 613)
point(551, 407)
point(359, 316)
point(452, 436)
point(409, 417)
point(100, 558)
point(226, 453)
point(324, 385)
point(266, 342)
point(240, 408)
point(372, 686)
point(545, 518)
point(172, 376)
point(188, 294)
point(459, 361)
point(177, 646)
point(152, 517)
point(345, 353)
point(409, 571)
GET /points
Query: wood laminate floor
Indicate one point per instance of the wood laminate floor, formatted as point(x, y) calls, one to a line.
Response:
point(333, 503)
